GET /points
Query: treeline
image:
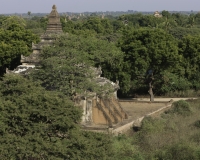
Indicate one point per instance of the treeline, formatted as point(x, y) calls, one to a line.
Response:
point(168, 46)
point(127, 48)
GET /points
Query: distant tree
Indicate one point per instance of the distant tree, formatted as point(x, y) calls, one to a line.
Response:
point(180, 19)
point(166, 14)
point(191, 21)
point(107, 26)
point(197, 19)
point(132, 18)
point(29, 14)
point(180, 32)
point(117, 25)
point(36, 24)
point(167, 24)
point(93, 14)
point(94, 23)
point(43, 22)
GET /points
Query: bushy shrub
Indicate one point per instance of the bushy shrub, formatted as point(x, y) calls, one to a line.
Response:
point(197, 124)
point(195, 138)
point(172, 82)
point(178, 152)
point(180, 107)
point(151, 125)
point(124, 149)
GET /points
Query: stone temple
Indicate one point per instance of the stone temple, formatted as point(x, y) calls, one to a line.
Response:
point(54, 28)
point(97, 112)
point(54, 25)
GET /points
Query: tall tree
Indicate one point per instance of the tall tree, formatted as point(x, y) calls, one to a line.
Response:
point(29, 14)
point(148, 50)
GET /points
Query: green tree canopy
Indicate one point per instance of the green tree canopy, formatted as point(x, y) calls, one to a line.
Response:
point(66, 66)
point(40, 124)
point(33, 121)
point(102, 26)
point(15, 41)
point(166, 14)
point(190, 49)
point(148, 49)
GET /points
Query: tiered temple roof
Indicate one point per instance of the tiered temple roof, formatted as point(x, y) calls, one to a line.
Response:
point(54, 25)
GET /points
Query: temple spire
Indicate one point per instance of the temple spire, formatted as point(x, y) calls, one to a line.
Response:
point(54, 25)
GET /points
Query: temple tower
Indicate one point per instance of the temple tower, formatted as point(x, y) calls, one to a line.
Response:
point(97, 111)
point(54, 25)
point(54, 28)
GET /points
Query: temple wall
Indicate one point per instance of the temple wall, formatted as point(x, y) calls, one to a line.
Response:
point(99, 117)
point(87, 106)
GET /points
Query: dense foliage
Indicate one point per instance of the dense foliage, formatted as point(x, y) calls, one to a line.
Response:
point(161, 45)
point(68, 65)
point(146, 50)
point(41, 124)
point(15, 41)
point(38, 118)
point(126, 47)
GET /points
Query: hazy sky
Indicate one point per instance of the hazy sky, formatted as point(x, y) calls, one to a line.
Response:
point(44, 6)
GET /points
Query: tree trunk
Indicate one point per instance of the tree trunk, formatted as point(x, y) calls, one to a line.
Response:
point(151, 92)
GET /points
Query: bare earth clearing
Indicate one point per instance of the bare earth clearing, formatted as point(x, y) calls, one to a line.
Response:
point(136, 110)
point(139, 107)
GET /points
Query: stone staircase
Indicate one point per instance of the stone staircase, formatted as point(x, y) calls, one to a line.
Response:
point(106, 115)
point(119, 108)
point(109, 112)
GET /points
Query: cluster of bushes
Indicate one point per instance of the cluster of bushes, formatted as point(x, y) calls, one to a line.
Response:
point(175, 135)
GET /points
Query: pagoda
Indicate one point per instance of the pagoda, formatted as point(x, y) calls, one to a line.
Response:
point(54, 25)
point(54, 28)
point(98, 113)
